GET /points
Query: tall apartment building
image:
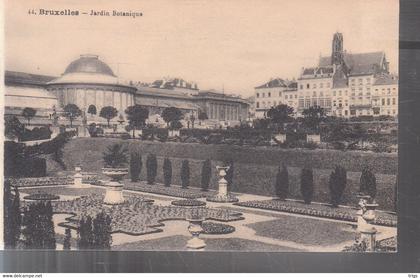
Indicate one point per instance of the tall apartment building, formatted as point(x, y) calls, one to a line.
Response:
point(344, 84)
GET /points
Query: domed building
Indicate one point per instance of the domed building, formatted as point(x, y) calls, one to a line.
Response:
point(89, 82)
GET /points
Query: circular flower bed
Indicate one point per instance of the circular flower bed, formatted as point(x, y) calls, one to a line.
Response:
point(188, 203)
point(222, 199)
point(41, 197)
point(213, 228)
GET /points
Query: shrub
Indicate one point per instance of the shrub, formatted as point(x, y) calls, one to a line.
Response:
point(368, 182)
point(115, 156)
point(151, 165)
point(206, 175)
point(11, 216)
point(229, 174)
point(337, 184)
point(282, 183)
point(67, 239)
point(38, 231)
point(185, 174)
point(135, 166)
point(85, 240)
point(102, 238)
point(167, 172)
point(307, 185)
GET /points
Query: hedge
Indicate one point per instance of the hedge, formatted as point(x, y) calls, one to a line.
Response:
point(255, 167)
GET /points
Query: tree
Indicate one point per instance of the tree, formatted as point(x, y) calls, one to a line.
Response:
point(282, 183)
point(11, 216)
point(192, 119)
point(115, 156)
point(92, 109)
point(167, 172)
point(280, 114)
point(13, 128)
point(313, 116)
point(175, 125)
point(368, 182)
point(108, 113)
point(28, 113)
point(185, 174)
point(135, 166)
point(202, 116)
point(38, 226)
point(151, 166)
point(71, 112)
point(67, 239)
point(102, 238)
point(206, 175)
point(137, 116)
point(86, 238)
point(171, 114)
point(337, 184)
point(307, 185)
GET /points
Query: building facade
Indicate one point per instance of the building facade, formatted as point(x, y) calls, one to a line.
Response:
point(344, 84)
point(89, 82)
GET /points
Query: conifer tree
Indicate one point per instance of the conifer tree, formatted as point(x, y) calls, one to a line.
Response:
point(282, 183)
point(185, 174)
point(167, 172)
point(206, 175)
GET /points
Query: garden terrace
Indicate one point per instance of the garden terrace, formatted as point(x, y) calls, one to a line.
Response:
point(319, 210)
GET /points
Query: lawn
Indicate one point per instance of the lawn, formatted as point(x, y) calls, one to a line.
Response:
point(214, 244)
point(304, 230)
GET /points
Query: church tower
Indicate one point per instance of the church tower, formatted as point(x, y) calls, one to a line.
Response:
point(337, 49)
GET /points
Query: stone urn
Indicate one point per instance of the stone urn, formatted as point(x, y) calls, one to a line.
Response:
point(195, 228)
point(114, 187)
point(223, 195)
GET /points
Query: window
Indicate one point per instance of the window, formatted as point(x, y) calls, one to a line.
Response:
point(334, 103)
point(393, 112)
point(269, 94)
point(307, 86)
point(389, 91)
point(321, 85)
point(263, 104)
point(333, 93)
point(314, 86)
point(388, 101)
point(328, 84)
point(339, 93)
point(279, 94)
point(269, 103)
point(295, 96)
point(274, 103)
point(258, 95)
point(383, 101)
point(321, 94)
point(393, 101)
point(263, 95)
point(257, 104)
point(368, 80)
point(301, 103)
point(314, 94)
point(286, 96)
point(301, 86)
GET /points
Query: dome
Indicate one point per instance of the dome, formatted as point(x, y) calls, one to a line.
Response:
point(89, 64)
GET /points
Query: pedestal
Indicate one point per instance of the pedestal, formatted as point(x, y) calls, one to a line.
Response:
point(368, 236)
point(78, 178)
point(195, 228)
point(223, 195)
point(114, 193)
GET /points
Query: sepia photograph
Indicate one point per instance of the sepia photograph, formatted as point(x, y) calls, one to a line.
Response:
point(236, 126)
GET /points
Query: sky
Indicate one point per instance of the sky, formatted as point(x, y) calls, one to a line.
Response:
point(233, 45)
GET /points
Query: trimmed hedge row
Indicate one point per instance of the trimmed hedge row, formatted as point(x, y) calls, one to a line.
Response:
point(255, 168)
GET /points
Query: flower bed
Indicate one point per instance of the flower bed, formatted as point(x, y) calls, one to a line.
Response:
point(173, 191)
point(188, 203)
point(213, 228)
point(41, 197)
point(137, 215)
point(44, 181)
point(340, 213)
point(230, 198)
